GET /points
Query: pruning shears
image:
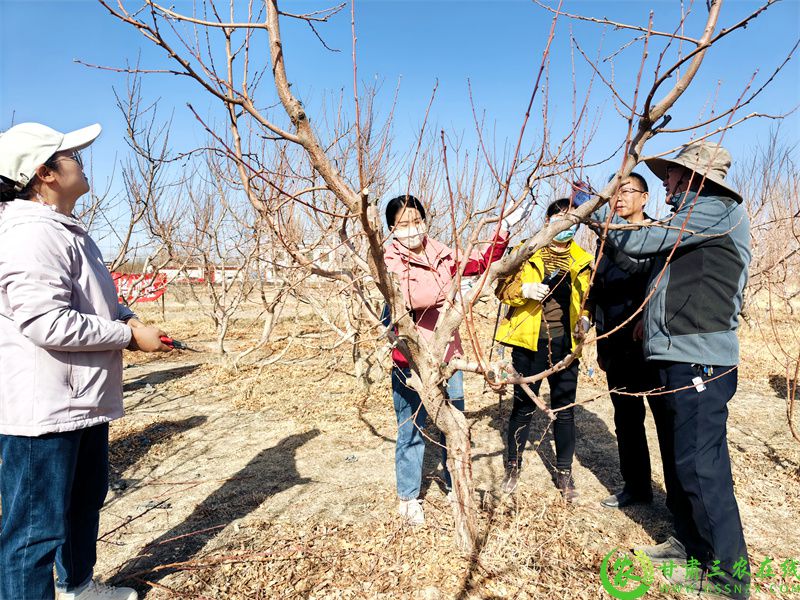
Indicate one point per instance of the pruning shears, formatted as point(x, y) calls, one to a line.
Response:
point(175, 344)
point(552, 277)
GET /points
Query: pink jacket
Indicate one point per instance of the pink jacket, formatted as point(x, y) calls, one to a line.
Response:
point(61, 335)
point(425, 281)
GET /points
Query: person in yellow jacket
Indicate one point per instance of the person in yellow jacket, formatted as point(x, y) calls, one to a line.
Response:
point(544, 323)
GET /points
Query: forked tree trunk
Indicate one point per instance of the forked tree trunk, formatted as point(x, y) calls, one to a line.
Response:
point(272, 315)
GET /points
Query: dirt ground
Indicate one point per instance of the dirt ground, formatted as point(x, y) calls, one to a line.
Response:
point(279, 483)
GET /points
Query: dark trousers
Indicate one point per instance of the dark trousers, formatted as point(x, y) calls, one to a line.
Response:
point(52, 487)
point(563, 385)
point(627, 371)
point(697, 465)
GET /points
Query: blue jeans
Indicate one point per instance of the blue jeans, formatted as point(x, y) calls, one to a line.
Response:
point(52, 489)
point(411, 415)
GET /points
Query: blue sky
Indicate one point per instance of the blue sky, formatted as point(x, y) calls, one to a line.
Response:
point(496, 45)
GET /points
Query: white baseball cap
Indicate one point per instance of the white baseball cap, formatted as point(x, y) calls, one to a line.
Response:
point(26, 146)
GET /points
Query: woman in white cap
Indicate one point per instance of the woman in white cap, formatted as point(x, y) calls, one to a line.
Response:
point(62, 332)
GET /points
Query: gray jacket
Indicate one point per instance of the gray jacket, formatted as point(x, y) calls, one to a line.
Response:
point(693, 314)
point(61, 335)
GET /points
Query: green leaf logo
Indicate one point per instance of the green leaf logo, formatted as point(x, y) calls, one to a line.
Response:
point(618, 576)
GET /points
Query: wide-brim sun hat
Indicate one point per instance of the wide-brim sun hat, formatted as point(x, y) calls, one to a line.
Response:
point(706, 159)
point(25, 147)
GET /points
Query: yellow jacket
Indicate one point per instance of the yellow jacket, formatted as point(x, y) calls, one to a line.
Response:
point(521, 325)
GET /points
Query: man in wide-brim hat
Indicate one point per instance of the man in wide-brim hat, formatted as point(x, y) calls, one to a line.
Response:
point(701, 258)
point(702, 162)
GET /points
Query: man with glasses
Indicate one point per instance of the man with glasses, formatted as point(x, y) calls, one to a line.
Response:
point(701, 255)
point(618, 291)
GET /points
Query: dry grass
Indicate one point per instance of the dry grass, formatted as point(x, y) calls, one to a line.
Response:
point(316, 519)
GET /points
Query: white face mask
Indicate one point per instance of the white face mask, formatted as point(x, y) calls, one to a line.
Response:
point(411, 237)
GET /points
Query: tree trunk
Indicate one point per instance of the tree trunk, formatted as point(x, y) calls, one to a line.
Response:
point(363, 365)
point(273, 313)
point(459, 463)
point(222, 332)
point(453, 424)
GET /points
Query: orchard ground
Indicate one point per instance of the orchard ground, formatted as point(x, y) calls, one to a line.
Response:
point(279, 482)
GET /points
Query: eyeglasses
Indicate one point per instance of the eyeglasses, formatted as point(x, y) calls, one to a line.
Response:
point(630, 191)
point(74, 156)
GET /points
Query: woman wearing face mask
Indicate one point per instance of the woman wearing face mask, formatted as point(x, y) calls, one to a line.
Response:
point(543, 325)
point(425, 269)
point(62, 332)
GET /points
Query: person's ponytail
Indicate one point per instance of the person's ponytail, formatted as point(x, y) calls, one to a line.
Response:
point(7, 190)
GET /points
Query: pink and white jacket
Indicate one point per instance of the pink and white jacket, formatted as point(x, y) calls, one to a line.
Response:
point(61, 329)
point(425, 281)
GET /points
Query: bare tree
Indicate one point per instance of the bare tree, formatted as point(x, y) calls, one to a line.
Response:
point(216, 237)
point(770, 182)
point(326, 179)
point(122, 219)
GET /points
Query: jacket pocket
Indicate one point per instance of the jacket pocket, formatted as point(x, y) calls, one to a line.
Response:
point(53, 392)
point(76, 380)
point(69, 376)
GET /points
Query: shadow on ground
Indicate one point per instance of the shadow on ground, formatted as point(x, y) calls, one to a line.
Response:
point(780, 384)
point(271, 471)
point(158, 377)
point(125, 452)
point(595, 449)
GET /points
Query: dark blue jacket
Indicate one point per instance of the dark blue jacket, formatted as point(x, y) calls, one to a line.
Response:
point(619, 288)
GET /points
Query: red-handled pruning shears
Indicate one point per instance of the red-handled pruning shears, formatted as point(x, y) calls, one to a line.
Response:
point(168, 341)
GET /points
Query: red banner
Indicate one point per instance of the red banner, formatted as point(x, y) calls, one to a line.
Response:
point(140, 288)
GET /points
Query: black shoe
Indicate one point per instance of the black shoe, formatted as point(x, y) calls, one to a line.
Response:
point(511, 479)
point(625, 498)
point(566, 484)
point(664, 552)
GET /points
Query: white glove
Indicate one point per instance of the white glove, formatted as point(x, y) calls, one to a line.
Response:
point(523, 211)
point(535, 291)
point(582, 327)
point(466, 288)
